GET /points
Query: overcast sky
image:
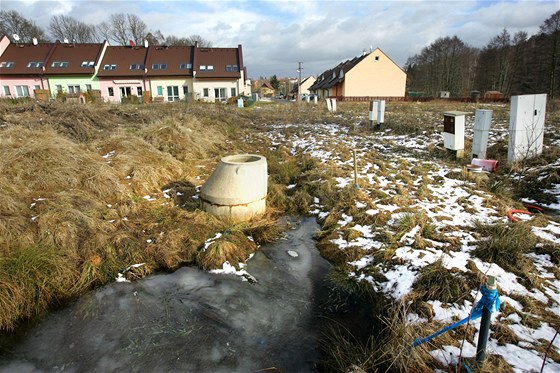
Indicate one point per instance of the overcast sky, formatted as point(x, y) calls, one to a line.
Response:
point(277, 34)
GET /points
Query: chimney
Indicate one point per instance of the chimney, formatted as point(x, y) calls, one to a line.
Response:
point(146, 44)
point(35, 41)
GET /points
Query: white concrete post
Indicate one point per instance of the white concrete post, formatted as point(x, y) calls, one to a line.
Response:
point(482, 120)
point(381, 112)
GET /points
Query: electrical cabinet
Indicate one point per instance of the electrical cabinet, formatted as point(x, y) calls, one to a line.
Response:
point(454, 130)
point(526, 126)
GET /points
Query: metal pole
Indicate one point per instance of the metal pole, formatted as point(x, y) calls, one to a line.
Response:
point(484, 325)
point(355, 170)
point(299, 81)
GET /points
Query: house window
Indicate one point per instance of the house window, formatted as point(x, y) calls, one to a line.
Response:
point(88, 87)
point(73, 89)
point(7, 90)
point(110, 67)
point(87, 63)
point(233, 92)
point(136, 66)
point(7, 64)
point(185, 66)
point(173, 93)
point(205, 92)
point(111, 92)
point(232, 68)
point(36, 87)
point(59, 64)
point(220, 93)
point(139, 91)
point(34, 64)
point(185, 90)
point(377, 58)
point(202, 67)
point(159, 90)
point(22, 91)
point(159, 66)
point(58, 88)
point(210, 67)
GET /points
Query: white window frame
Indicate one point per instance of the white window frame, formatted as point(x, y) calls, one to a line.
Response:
point(22, 91)
point(205, 92)
point(233, 92)
point(110, 91)
point(219, 95)
point(6, 89)
point(172, 93)
point(74, 88)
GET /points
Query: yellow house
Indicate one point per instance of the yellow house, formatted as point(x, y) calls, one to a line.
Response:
point(305, 85)
point(371, 75)
point(266, 89)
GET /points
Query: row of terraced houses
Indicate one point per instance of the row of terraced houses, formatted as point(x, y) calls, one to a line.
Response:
point(117, 73)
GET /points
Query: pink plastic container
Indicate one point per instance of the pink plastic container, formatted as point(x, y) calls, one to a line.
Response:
point(489, 165)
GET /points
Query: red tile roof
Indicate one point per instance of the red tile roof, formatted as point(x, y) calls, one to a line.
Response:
point(80, 59)
point(178, 61)
point(225, 62)
point(122, 58)
point(21, 55)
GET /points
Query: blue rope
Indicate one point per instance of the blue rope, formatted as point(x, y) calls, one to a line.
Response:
point(490, 300)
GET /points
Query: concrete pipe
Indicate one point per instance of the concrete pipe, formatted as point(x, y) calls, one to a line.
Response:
point(237, 188)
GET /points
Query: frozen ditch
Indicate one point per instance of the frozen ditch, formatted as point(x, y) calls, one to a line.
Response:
point(192, 320)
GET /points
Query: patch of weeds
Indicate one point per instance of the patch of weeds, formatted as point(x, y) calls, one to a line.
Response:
point(506, 245)
point(437, 282)
point(503, 334)
point(233, 247)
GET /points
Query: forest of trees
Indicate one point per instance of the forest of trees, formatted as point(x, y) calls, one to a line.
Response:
point(511, 64)
point(119, 29)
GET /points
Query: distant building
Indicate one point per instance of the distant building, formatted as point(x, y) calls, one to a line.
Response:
point(266, 90)
point(305, 85)
point(371, 75)
point(118, 73)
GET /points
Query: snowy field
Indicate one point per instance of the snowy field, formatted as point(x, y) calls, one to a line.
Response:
point(400, 178)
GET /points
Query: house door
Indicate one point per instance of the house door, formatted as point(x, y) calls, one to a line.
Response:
point(125, 92)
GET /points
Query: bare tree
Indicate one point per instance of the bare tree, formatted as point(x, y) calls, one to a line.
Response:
point(119, 30)
point(550, 29)
point(202, 42)
point(448, 64)
point(63, 26)
point(103, 31)
point(155, 37)
point(137, 28)
point(11, 22)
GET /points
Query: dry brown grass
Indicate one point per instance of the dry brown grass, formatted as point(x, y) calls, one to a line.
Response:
point(73, 181)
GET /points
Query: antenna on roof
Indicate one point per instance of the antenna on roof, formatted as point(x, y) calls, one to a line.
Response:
point(35, 41)
point(364, 52)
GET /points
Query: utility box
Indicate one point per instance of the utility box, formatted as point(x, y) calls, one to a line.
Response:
point(454, 131)
point(482, 120)
point(377, 112)
point(373, 107)
point(526, 126)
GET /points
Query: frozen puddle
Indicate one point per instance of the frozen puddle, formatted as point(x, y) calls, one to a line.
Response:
point(190, 320)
